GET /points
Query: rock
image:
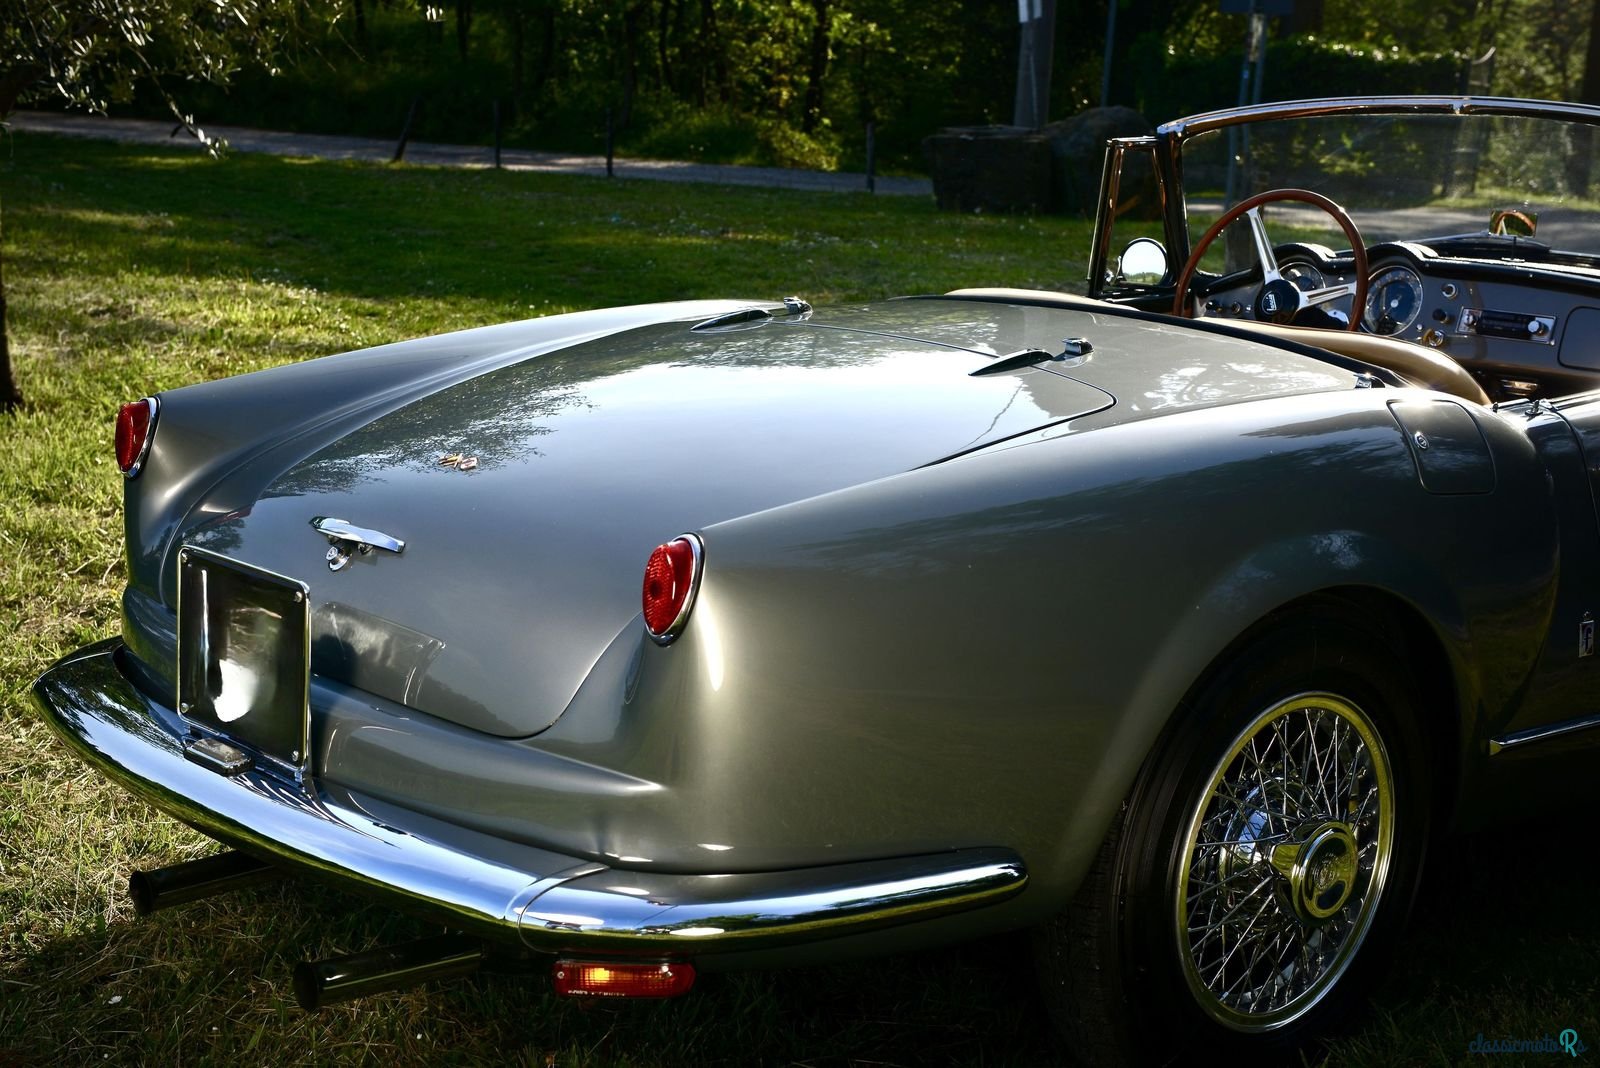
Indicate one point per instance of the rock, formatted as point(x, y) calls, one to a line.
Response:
point(990, 168)
point(1078, 152)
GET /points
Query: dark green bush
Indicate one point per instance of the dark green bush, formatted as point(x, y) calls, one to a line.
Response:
point(1172, 84)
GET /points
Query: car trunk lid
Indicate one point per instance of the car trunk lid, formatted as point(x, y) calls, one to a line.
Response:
point(523, 557)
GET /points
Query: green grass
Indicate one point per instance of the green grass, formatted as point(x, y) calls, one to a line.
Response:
point(132, 271)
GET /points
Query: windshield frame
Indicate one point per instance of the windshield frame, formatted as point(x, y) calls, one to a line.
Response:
point(1170, 138)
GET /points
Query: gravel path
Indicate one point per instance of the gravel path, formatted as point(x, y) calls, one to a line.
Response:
point(324, 146)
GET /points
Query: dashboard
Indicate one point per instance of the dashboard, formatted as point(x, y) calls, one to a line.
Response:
point(1527, 326)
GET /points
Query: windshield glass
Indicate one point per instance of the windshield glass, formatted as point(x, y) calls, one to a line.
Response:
point(1406, 177)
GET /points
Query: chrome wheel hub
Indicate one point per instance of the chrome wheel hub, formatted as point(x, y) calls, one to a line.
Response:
point(1284, 862)
point(1319, 871)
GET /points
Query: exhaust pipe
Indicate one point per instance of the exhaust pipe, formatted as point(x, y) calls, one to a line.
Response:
point(328, 982)
point(192, 880)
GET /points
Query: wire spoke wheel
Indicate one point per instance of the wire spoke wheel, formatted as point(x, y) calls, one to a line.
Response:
point(1284, 862)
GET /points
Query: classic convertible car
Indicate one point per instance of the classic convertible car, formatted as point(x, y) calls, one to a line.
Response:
point(1178, 622)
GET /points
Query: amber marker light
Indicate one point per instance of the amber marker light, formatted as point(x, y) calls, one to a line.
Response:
point(671, 577)
point(615, 979)
point(135, 422)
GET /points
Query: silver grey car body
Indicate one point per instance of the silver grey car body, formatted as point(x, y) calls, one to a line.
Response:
point(943, 620)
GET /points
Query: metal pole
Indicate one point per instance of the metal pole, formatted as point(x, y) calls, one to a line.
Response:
point(1105, 63)
point(1258, 43)
point(497, 133)
point(1037, 19)
point(405, 132)
point(872, 157)
point(1245, 70)
point(611, 141)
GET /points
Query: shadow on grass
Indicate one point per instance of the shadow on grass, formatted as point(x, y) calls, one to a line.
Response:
point(1503, 944)
point(521, 240)
point(213, 977)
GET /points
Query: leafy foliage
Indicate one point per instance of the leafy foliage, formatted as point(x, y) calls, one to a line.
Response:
point(804, 76)
point(90, 52)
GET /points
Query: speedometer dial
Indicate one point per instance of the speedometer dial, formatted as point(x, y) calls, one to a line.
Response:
point(1304, 276)
point(1394, 299)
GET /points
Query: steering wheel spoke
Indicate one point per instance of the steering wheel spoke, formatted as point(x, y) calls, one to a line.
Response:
point(1264, 253)
point(1312, 298)
point(1277, 299)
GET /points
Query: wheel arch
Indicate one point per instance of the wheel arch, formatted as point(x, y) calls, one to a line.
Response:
point(1441, 712)
point(1118, 926)
point(1356, 575)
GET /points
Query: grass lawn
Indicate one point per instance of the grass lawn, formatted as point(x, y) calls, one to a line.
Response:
point(132, 271)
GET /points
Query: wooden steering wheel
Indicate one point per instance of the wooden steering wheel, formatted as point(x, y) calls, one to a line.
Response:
point(1279, 300)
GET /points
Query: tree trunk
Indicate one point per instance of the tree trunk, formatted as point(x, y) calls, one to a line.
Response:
point(1580, 162)
point(518, 41)
point(663, 25)
point(712, 61)
point(821, 38)
point(630, 61)
point(10, 395)
point(547, 48)
point(463, 25)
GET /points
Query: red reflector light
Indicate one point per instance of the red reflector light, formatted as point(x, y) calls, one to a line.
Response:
point(134, 423)
point(670, 578)
point(611, 979)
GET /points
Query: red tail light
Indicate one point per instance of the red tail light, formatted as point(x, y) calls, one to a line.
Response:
point(134, 425)
point(611, 979)
point(670, 579)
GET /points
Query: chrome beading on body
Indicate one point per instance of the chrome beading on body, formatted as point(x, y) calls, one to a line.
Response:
point(1545, 732)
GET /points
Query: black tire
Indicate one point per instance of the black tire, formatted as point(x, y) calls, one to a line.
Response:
point(1133, 977)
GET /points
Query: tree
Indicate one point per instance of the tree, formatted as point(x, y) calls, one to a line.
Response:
point(821, 44)
point(90, 52)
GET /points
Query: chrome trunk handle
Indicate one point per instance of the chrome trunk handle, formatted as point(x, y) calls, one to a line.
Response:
point(345, 536)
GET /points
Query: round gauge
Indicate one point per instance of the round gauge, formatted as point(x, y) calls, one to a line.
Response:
point(1304, 276)
point(1394, 299)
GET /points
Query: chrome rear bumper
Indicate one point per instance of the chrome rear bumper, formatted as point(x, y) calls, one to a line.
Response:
point(485, 885)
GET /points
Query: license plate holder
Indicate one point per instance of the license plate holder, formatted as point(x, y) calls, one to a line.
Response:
point(244, 655)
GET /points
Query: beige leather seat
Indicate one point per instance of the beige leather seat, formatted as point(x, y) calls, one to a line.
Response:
point(1416, 364)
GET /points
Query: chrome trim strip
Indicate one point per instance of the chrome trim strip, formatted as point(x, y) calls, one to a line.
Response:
point(1542, 734)
point(677, 915)
point(489, 886)
point(337, 530)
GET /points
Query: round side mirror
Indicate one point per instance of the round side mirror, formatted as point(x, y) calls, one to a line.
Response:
point(1143, 262)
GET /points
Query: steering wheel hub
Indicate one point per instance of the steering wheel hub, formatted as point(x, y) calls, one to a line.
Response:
point(1277, 301)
